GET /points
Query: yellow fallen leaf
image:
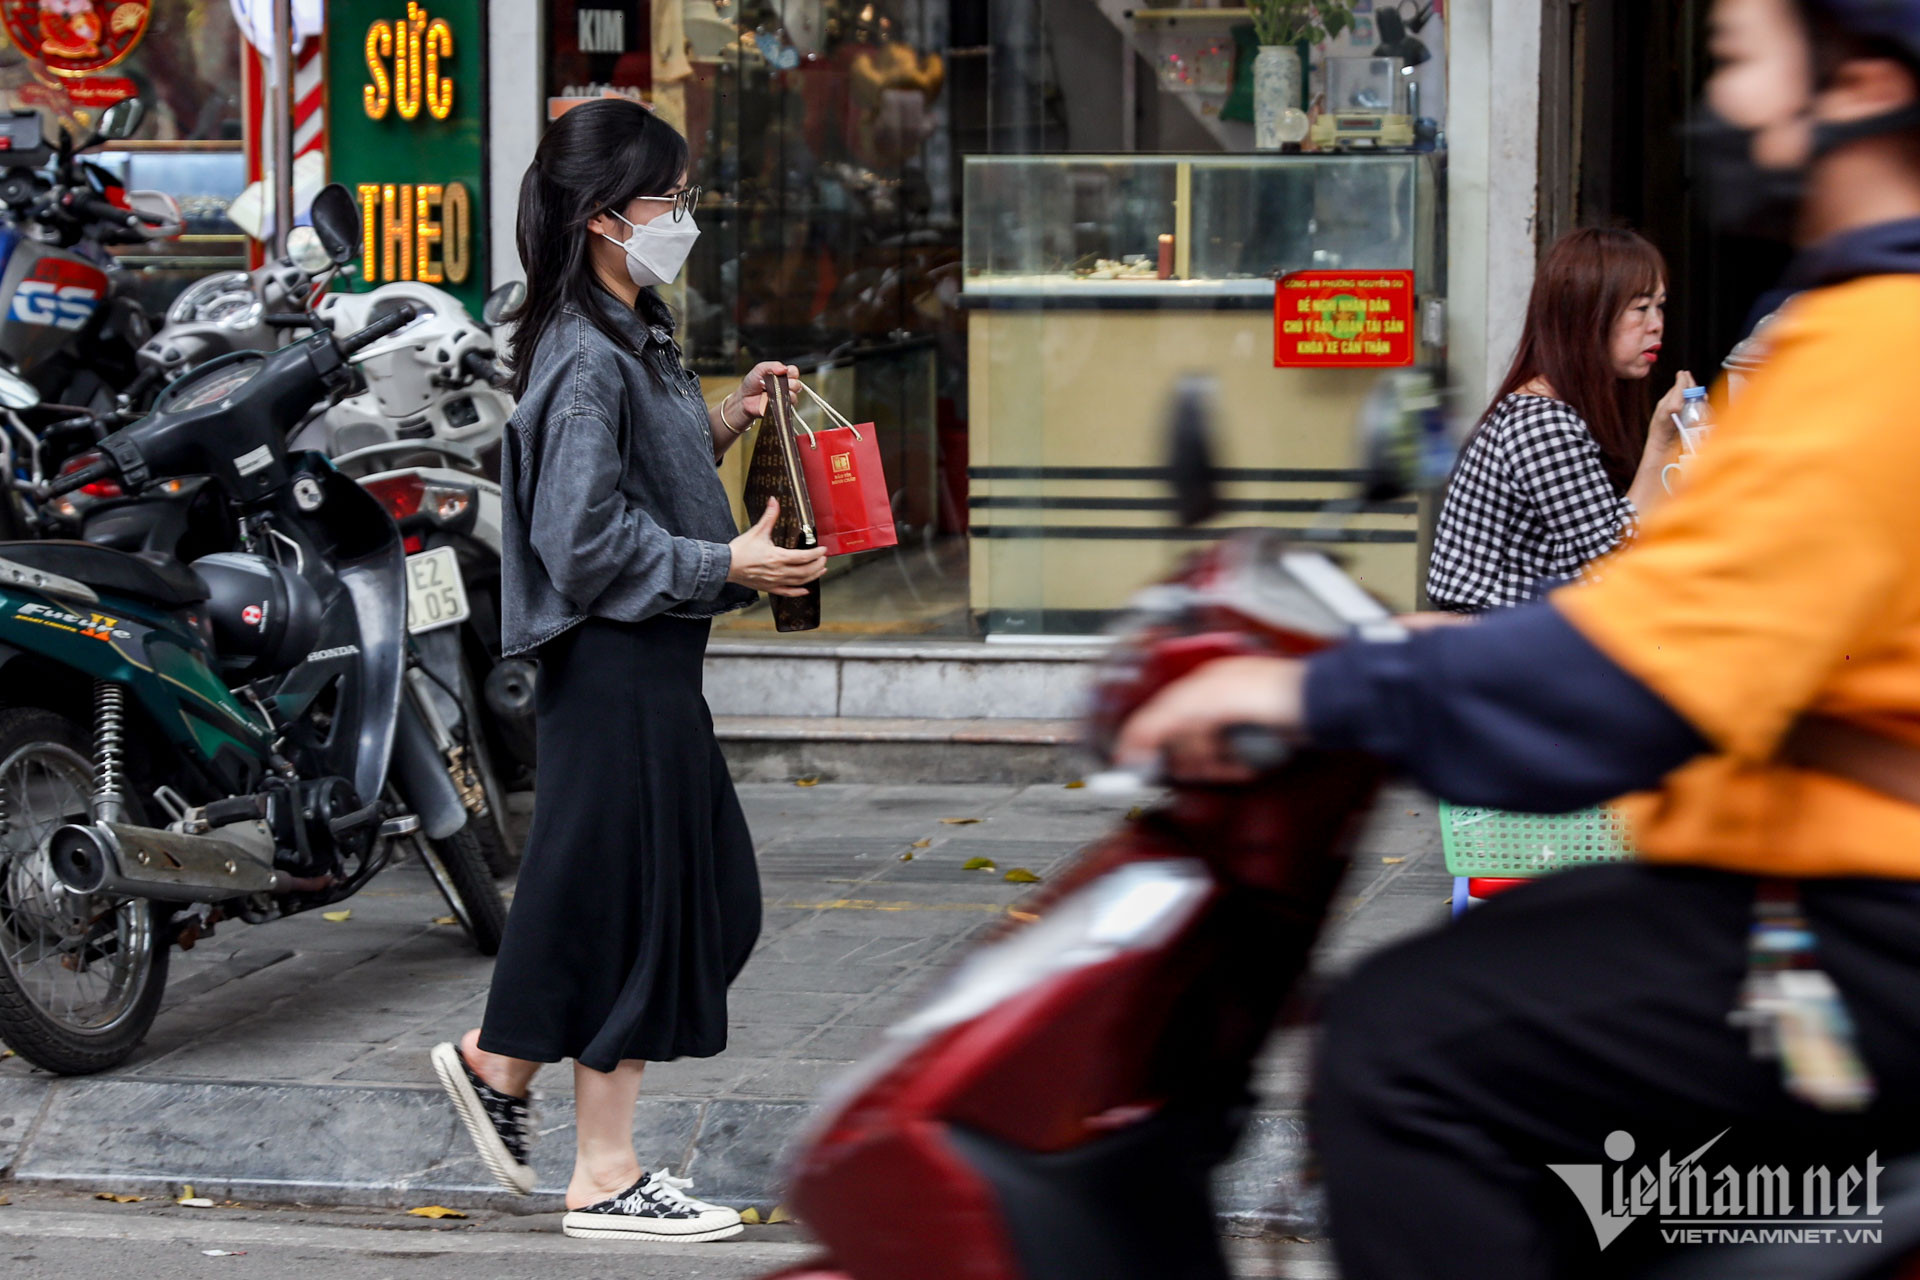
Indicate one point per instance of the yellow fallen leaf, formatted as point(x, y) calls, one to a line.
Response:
point(961, 822)
point(186, 1191)
point(108, 1195)
point(779, 1214)
point(977, 864)
point(1076, 784)
point(4, 1202)
point(1134, 814)
point(446, 919)
point(907, 856)
point(1020, 875)
point(336, 917)
point(1393, 862)
point(806, 782)
point(750, 1216)
point(435, 1211)
point(1024, 917)
point(920, 844)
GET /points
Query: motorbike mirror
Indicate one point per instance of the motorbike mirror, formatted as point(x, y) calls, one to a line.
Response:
point(16, 392)
point(336, 220)
point(123, 119)
point(1404, 444)
point(305, 251)
point(1196, 480)
point(503, 302)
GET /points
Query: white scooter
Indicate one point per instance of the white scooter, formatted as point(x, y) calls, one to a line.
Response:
point(417, 438)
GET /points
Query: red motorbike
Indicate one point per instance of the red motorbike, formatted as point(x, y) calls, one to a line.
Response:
point(1055, 1109)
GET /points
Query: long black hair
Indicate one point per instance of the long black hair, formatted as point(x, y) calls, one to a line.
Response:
point(594, 159)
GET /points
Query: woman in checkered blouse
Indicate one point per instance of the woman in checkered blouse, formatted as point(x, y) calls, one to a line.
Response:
point(1565, 457)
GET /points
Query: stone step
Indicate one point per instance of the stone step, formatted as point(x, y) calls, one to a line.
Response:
point(942, 680)
point(900, 749)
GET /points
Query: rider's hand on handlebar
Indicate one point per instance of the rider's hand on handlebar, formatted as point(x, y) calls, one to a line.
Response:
point(759, 563)
point(1184, 727)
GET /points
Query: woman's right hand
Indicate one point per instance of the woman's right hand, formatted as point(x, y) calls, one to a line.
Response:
point(764, 566)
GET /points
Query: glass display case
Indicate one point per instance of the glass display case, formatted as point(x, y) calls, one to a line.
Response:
point(1095, 286)
point(1155, 228)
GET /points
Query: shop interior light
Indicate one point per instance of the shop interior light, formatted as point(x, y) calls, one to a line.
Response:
point(1397, 35)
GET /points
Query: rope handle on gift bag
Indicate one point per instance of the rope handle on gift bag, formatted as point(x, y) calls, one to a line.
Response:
point(833, 413)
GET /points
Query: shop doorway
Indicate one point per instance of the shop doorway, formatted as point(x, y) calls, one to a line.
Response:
point(1618, 82)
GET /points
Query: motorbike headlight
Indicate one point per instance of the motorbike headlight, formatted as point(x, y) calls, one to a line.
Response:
point(1129, 909)
point(226, 299)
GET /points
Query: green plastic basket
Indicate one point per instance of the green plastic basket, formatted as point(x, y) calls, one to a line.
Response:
point(1494, 842)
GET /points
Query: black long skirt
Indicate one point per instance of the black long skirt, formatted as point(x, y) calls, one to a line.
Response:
point(638, 900)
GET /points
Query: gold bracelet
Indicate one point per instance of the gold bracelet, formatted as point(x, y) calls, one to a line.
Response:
point(737, 431)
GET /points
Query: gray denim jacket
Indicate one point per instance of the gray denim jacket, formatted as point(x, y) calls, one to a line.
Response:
point(612, 506)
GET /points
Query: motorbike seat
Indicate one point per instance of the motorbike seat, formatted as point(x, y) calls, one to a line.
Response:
point(152, 578)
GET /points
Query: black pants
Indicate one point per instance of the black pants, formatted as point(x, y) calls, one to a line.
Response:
point(1455, 1068)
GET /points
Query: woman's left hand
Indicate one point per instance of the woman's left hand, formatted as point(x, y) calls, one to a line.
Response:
point(1185, 725)
point(752, 396)
point(1663, 431)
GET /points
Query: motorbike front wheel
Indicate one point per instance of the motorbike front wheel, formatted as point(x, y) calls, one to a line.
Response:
point(459, 870)
point(81, 975)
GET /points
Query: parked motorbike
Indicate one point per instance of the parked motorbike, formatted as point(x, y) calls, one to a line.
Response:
point(63, 323)
point(415, 431)
point(211, 734)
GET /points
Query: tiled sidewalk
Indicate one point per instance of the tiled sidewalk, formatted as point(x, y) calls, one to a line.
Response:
point(289, 1063)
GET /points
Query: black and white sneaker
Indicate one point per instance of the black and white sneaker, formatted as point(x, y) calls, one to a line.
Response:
point(654, 1208)
point(497, 1122)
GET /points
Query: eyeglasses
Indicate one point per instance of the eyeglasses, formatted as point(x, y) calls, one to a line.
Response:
point(683, 202)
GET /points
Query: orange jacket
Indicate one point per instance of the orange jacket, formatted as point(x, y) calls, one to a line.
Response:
point(1784, 578)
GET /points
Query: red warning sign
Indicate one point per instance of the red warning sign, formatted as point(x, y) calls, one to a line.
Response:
point(1343, 320)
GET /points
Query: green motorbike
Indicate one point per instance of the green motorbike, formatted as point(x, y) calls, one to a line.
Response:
point(226, 728)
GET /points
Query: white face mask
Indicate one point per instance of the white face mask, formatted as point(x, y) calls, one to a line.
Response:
point(657, 250)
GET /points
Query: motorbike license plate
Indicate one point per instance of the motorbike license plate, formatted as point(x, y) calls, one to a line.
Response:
point(435, 595)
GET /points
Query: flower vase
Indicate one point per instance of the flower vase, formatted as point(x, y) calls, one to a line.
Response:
point(1276, 88)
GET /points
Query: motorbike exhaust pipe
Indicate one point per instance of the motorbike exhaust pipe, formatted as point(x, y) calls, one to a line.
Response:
point(509, 689)
point(146, 862)
point(509, 693)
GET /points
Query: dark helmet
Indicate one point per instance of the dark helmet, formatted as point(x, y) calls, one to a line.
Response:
point(1895, 21)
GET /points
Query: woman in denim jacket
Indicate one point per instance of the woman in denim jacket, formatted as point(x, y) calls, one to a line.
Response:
point(638, 901)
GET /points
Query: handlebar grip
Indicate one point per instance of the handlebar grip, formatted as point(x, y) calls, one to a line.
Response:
point(399, 318)
point(85, 476)
point(481, 367)
point(1258, 747)
point(106, 211)
point(146, 380)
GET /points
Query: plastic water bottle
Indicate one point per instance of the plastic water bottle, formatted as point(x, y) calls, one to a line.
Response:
point(1695, 418)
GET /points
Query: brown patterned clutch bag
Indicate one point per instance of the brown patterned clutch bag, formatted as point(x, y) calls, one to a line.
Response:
point(774, 472)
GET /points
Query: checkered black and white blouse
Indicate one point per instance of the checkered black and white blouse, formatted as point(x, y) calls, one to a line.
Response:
point(1529, 504)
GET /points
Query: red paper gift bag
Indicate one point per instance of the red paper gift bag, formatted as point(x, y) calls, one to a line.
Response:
point(852, 506)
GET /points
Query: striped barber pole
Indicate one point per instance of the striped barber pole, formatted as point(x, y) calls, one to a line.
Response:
point(310, 99)
point(309, 108)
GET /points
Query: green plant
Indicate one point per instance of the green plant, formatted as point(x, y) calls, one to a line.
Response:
point(1291, 21)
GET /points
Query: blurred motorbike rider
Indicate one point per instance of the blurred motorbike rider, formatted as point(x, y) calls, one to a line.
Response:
point(1752, 665)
